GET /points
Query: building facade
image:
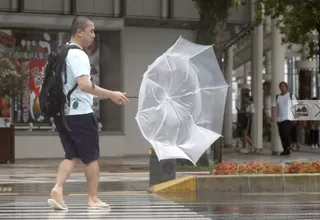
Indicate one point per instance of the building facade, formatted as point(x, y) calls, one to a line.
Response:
point(131, 34)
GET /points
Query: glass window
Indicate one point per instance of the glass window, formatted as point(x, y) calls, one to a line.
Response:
point(33, 46)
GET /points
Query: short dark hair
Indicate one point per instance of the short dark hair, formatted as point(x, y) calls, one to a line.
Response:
point(79, 22)
point(283, 83)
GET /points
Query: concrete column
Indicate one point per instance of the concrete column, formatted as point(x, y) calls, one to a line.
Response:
point(268, 66)
point(267, 97)
point(278, 56)
point(66, 7)
point(164, 8)
point(253, 75)
point(116, 8)
point(256, 86)
point(245, 73)
point(243, 87)
point(227, 126)
point(14, 5)
point(267, 24)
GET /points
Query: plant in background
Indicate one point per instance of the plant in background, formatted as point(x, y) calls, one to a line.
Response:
point(298, 21)
point(13, 81)
point(296, 167)
point(212, 27)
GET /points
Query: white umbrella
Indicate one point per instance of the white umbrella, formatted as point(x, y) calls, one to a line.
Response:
point(181, 101)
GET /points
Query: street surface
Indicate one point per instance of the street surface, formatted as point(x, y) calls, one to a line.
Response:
point(140, 205)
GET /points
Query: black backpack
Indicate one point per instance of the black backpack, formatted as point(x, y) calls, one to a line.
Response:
point(52, 99)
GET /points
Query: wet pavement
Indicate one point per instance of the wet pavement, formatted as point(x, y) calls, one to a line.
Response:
point(123, 206)
point(256, 206)
point(134, 205)
point(24, 189)
point(26, 178)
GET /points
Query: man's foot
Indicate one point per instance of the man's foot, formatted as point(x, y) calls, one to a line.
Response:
point(244, 151)
point(56, 202)
point(285, 153)
point(312, 146)
point(97, 203)
point(297, 147)
point(258, 151)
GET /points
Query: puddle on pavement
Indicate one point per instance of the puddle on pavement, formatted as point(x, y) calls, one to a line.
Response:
point(250, 205)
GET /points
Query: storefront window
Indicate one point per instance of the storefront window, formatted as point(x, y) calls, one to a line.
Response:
point(33, 47)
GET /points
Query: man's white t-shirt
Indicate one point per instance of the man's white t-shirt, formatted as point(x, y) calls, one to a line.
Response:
point(77, 64)
point(283, 110)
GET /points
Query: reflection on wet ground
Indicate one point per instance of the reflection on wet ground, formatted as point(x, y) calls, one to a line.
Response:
point(251, 206)
point(130, 205)
point(24, 193)
point(123, 206)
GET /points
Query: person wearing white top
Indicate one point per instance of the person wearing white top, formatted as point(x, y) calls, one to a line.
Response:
point(281, 114)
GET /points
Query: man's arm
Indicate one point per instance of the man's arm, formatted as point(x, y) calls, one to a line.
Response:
point(274, 110)
point(87, 86)
point(294, 100)
point(274, 113)
point(80, 68)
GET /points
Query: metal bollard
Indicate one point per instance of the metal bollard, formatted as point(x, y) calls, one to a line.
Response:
point(160, 171)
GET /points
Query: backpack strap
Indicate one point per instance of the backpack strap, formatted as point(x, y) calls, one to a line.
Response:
point(69, 93)
point(72, 46)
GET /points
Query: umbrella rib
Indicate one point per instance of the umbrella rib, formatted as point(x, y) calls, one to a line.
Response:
point(192, 93)
point(177, 115)
point(204, 49)
point(185, 79)
point(171, 80)
point(165, 114)
point(212, 88)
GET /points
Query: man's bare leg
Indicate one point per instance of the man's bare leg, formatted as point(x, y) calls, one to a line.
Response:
point(65, 168)
point(92, 172)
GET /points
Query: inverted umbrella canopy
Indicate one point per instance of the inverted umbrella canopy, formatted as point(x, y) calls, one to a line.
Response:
point(181, 101)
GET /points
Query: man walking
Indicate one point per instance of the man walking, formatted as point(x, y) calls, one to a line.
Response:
point(281, 113)
point(82, 142)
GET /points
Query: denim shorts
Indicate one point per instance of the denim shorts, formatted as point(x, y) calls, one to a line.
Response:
point(83, 140)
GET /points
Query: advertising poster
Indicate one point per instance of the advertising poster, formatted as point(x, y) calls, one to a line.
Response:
point(31, 48)
point(94, 56)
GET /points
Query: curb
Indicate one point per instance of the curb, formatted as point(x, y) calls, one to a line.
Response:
point(181, 184)
point(260, 183)
point(241, 184)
